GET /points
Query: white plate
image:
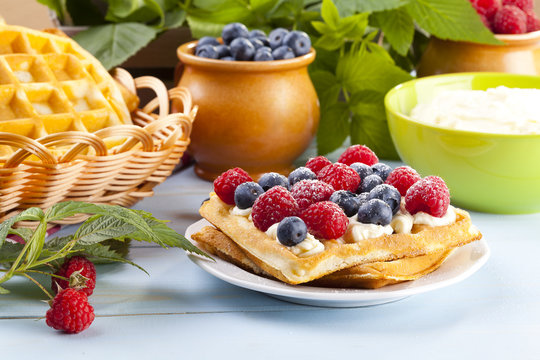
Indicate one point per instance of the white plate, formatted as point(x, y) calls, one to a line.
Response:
point(461, 264)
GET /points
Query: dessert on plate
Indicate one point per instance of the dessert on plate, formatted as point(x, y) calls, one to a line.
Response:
point(354, 223)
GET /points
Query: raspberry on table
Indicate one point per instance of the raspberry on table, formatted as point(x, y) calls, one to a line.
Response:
point(316, 164)
point(70, 312)
point(272, 207)
point(402, 178)
point(358, 153)
point(525, 5)
point(340, 176)
point(307, 192)
point(325, 220)
point(226, 183)
point(430, 195)
point(510, 20)
point(85, 268)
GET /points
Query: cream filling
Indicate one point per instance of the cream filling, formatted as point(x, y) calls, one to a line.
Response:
point(426, 219)
point(357, 231)
point(308, 247)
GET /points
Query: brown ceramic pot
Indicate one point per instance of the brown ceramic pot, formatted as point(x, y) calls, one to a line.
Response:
point(520, 55)
point(259, 116)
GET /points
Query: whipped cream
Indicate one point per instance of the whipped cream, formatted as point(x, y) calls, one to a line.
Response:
point(308, 247)
point(426, 219)
point(402, 222)
point(496, 110)
point(358, 231)
point(241, 212)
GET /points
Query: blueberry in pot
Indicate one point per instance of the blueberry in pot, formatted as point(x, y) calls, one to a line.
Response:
point(346, 200)
point(298, 41)
point(291, 231)
point(263, 54)
point(388, 194)
point(302, 173)
point(382, 170)
point(207, 51)
point(242, 49)
point(259, 35)
point(282, 52)
point(276, 37)
point(271, 179)
point(207, 40)
point(223, 50)
point(256, 43)
point(227, 58)
point(369, 182)
point(361, 169)
point(246, 194)
point(375, 211)
point(233, 31)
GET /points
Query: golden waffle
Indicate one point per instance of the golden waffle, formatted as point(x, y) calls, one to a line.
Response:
point(49, 84)
point(280, 262)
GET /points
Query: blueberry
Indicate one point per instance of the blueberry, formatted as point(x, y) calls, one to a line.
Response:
point(227, 58)
point(223, 50)
point(207, 51)
point(256, 43)
point(276, 37)
point(207, 40)
point(242, 49)
point(291, 231)
point(246, 194)
point(362, 198)
point(257, 34)
point(382, 170)
point(302, 173)
point(347, 201)
point(263, 54)
point(361, 169)
point(298, 41)
point(232, 31)
point(376, 212)
point(369, 182)
point(271, 179)
point(388, 194)
point(282, 52)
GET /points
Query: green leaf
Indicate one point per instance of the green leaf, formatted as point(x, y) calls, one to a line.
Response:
point(66, 209)
point(24, 233)
point(327, 87)
point(36, 244)
point(398, 28)
point(349, 7)
point(104, 252)
point(141, 11)
point(3, 291)
point(333, 127)
point(84, 12)
point(31, 214)
point(262, 6)
point(374, 133)
point(174, 18)
point(58, 6)
point(450, 19)
point(114, 43)
point(329, 42)
point(100, 228)
point(330, 14)
point(10, 252)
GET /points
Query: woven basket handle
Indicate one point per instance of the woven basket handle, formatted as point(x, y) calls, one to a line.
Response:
point(161, 94)
point(80, 140)
point(136, 133)
point(26, 148)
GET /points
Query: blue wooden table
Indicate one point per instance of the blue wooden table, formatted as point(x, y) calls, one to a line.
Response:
point(180, 310)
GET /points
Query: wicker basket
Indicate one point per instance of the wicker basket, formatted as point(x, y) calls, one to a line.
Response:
point(154, 146)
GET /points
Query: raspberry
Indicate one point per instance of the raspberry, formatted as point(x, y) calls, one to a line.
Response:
point(340, 176)
point(486, 8)
point(272, 207)
point(226, 183)
point(402, 178)
point(510, 20)
point(429, 195)
point(307, 192)
point(358, 153)
point(325, 220)
point(70, 312)
point(74, 264)
point(533, 23)
point(525, 5)
point(316, 164)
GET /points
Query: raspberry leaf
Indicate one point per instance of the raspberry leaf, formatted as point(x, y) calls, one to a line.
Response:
point(398, 28)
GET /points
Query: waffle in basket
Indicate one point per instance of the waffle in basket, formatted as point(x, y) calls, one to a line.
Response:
point(367, 253)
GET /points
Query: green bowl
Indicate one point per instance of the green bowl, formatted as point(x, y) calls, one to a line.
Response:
point(496, 173)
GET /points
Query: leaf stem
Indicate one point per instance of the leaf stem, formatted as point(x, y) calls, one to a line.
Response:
point(38, 284)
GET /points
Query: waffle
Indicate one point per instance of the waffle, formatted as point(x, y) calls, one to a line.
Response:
point(278, 261)
point(49, 84)
point(366, 276)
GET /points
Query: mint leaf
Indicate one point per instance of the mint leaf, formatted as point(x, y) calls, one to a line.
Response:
point(397, 27)
point(450, 19)
point(113, 44)
point(333, 127)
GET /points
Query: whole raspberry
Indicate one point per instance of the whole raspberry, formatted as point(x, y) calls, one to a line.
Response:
point(70, 312)
point(358, 153)
point(80, 265)
point(430, 195)
point(316, 164)
point(272, 207)
point(307, 192)
point(510, 20)
point(340, 176)
point(226, 183)
point(533, 23)
point(325, 220)
point(525, 5)
point(402, 178)
point(486, 8)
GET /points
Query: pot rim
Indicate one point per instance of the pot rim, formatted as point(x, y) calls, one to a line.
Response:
point(519, 39)
point(185, 54)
